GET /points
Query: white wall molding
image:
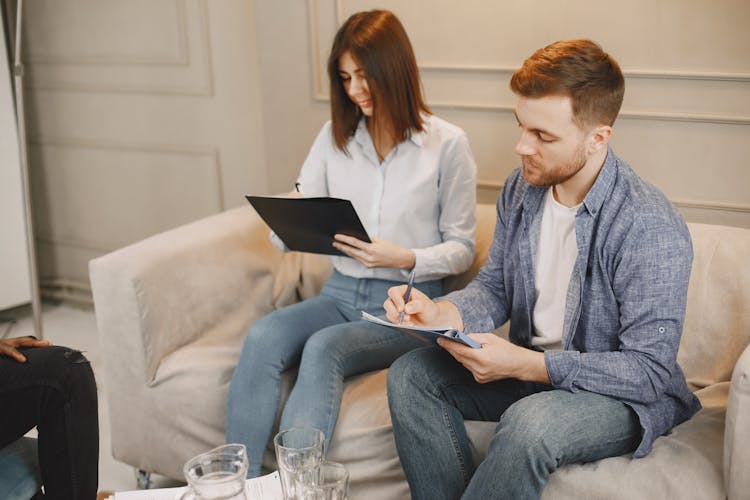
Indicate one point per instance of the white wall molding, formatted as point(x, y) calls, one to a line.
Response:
point(654, 74)
point(690, 106)
point(625, 113)
point(146, 147)
point(67, 290)
point(317, 80)
point(180, 58)
point(210, 153)
point(187, 73)
point(77, 243)
point(712, 205)
point(504, 71)
point(489, 185)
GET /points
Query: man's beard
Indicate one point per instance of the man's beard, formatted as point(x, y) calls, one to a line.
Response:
point(547, 177)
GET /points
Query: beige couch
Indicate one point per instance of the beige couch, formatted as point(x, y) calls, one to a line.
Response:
point(172, 311)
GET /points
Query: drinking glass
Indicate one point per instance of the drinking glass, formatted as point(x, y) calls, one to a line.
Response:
point(297, 449)
point(217, 474)
point(328, 481)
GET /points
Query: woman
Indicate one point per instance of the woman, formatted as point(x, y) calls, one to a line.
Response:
point(412, 180)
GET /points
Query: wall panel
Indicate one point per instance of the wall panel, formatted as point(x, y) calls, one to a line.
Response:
point(103, 196)
point(133, 47)
point(687, 65)
point(144, 115)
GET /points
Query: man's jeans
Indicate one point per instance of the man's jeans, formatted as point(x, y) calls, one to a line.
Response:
point(56, 392)
point(539, 429)
point(329, 341)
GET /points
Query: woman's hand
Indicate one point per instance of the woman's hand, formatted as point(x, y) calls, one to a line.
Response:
point(379, 253)
point(9, 347)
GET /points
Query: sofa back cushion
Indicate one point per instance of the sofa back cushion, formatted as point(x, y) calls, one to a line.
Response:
point(717, 320)
point(486, 218)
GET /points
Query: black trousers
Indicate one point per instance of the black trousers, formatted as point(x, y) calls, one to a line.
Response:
point(54, 391)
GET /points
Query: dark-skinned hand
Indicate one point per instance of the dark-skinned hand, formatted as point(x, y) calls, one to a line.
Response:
point(9, 347)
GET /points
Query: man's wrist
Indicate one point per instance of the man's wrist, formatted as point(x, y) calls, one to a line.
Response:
point(533, 368)
point(449, 315)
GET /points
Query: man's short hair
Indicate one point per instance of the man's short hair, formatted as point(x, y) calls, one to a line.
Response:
point(579, 69)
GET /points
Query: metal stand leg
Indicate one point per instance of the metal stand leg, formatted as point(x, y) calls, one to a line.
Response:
point(5, 330)
point(143, 478)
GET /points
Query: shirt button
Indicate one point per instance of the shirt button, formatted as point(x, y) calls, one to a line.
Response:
point(662, 329)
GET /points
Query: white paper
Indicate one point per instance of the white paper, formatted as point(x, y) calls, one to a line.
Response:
point(436, 329)
point(266, 487)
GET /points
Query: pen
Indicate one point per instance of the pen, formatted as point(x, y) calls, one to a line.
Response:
point(406, 295)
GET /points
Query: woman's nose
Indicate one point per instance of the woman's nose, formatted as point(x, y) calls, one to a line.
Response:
point(355, 86)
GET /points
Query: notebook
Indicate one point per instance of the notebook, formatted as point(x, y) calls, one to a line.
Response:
point(308, 224)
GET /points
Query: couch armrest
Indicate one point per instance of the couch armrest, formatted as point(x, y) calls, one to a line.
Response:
point(737, 431)
point(211, 278)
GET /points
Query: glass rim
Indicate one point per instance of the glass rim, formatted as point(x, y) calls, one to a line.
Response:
point(279, 435)
point(220, 452)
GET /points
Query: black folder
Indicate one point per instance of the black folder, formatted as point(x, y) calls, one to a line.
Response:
point(308, 224)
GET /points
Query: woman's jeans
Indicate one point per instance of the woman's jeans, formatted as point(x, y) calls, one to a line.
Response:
point(54, 391)
point(538, 430)
point(326, 336)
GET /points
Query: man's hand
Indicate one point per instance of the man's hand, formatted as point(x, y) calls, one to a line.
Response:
point(421, 310)
point(379, 253)
point(498, 359)
point(9, 347)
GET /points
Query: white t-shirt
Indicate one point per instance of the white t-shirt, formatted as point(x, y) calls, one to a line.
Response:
point(422, 196)
point(555, 257)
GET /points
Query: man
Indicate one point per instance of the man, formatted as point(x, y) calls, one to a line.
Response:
point(590, 264)
point(51, 388)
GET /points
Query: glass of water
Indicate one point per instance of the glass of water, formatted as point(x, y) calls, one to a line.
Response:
point(297, 450)
point(217, 474)
point(328, 481)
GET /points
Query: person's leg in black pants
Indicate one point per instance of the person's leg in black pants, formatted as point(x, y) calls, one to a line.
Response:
point(55, 391)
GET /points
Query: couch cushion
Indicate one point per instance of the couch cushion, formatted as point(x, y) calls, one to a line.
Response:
point(717, 320)
point(685, 465)
point(486, 218)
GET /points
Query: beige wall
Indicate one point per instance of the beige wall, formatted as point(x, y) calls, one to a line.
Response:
point(683, 125)
point(146, 114)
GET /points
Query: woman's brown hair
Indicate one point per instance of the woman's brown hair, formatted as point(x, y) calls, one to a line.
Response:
point(378, 42)
point(579, 69)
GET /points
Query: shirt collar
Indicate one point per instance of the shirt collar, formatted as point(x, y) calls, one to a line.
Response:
point(602, 185)
point(362, 135)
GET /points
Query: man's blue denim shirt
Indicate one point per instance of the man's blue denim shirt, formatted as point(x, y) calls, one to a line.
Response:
point(625, 303)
